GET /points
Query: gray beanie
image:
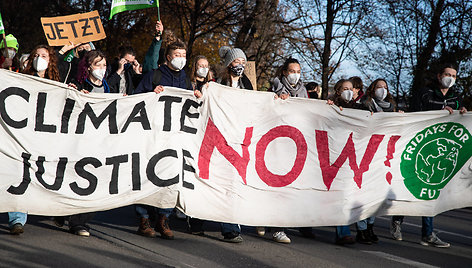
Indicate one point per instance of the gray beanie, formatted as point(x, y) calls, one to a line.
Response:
point(230, 54)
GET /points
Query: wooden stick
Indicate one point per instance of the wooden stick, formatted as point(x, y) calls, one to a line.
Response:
point(5, 44)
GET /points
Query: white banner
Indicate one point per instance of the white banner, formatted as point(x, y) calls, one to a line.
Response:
point(233, 156)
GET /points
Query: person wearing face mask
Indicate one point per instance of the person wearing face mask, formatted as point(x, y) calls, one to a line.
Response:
point(442, 94)
point(69, 57)
point(7, 57)
point(233, 74)
point(91, 74)
point(234, 61)
point(42, 62)
point(200, 74)
point(345, 96)
point(289, 84)
point(125, 71)
point(169, 74)
point(378, 98)
point(90, 78)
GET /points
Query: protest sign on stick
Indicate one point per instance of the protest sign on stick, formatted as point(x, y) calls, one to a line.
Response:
point(78, 28)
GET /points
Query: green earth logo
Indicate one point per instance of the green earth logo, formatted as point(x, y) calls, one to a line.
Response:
point(433, 157)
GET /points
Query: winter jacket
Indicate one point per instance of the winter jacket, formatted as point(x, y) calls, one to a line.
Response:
point(163, 76)
point(132, 79)
point(244, 82)
point(281, 86)
point(433, 99)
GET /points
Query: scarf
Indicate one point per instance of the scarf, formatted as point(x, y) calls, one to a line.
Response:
point(382, 105)
point(297, 91)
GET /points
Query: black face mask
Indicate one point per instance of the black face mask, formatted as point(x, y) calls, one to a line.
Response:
point(127, 66)
point(237, 70)
point(82, 53)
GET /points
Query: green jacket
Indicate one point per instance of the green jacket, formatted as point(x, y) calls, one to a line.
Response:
point(152, 56)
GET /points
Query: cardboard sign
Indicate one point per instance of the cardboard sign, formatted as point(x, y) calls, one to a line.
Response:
point(78, 28)
point(250, 72)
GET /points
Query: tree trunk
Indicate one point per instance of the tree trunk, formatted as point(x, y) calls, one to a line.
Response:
point(328, 36)
point(424, 57)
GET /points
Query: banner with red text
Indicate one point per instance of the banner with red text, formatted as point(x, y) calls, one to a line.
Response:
point(232, 156)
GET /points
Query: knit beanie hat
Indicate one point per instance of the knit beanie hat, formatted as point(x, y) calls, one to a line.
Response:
point(230, 54)
point(11, 42)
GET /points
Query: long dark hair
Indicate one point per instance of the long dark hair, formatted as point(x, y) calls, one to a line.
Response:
point(284, 67)
point(86, 62)
point(52, 72)
point(337, 93)
point(370, 92)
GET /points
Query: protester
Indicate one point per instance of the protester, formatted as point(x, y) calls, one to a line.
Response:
point(68, 61)
point(200, 74)
point(313, 90)
point(377, 99)
point(169, 74)
point(234, 61)
point(9, 52)
point(288, 83)
point(233, 72)
point(344, 96)
point(440, 95)
point(125, 71)
point(91, 74)
point(90, 78)
point(42, 62)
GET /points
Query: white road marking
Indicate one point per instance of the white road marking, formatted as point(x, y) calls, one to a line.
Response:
point(399, 259)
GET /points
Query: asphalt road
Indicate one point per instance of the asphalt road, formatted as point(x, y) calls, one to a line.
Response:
point(114, 243)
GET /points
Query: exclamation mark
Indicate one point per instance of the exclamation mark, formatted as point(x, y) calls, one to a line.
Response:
point(390, 151)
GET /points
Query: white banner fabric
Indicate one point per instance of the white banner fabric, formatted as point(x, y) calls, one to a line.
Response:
point(233, 156)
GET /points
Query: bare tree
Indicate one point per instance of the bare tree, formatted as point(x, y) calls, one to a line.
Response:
point(323, 32)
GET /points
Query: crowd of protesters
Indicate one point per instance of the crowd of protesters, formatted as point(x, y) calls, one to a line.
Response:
point(84, 67)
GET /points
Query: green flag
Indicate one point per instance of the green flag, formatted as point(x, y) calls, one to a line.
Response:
point(2, 29)
point(118, 6)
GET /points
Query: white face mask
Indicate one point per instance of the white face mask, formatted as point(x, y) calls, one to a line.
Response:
point(40, 64)
point(202, 72)
point(448, 81)
point(381, 93)
point(347, 95)
point(9, 53)
point(99, 73)
point(293, 78)
point(178, 63)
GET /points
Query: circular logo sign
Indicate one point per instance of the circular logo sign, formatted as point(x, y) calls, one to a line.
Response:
point(433, 157)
